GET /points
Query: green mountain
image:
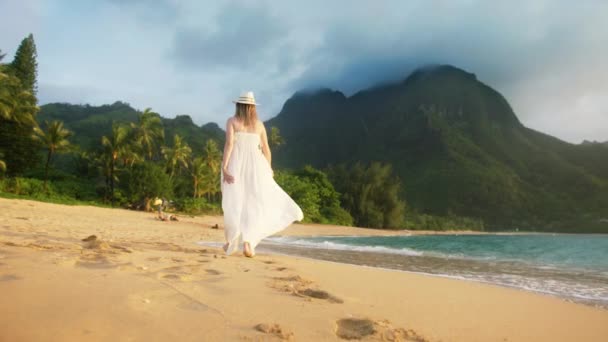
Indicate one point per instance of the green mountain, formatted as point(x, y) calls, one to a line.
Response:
point(90, 123)
point(458, 148)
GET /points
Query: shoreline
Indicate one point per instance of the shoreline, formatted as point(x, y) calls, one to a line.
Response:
point(409, 263)
point(459, 278)
point(144, 279)
point(292, 231)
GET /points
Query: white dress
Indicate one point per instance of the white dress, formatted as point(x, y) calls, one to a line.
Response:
point(254, 205)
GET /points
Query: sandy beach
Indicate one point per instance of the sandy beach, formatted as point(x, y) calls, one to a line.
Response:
point(141, 279)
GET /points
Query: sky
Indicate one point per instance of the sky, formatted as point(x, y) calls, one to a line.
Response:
point(548, 58)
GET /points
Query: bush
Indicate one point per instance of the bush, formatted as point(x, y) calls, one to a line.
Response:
point(315, 195)
point(24, 186)
point(64, 192)
point(143, 182)
point(76, 189)
point(416, 221)
point(371, 194)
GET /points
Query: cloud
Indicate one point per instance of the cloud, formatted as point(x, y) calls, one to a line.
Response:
point(545, 57)
point(192, 57)
point(162, 12)
point(242, 37)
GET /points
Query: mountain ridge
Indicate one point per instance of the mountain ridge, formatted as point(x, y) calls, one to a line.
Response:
point(457, 145)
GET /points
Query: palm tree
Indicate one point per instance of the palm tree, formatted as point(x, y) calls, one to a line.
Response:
point(130, 155)
point(103, 164)
point(54, 139)
point(148, 132)
point(16, 104)
point(212, 156)
point(197, 170)
point(213, 159)
point(177, 155)
point(114, 147)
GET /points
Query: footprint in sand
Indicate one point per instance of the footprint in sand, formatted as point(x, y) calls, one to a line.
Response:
point(183, 273)
point(171, 276)
point(92, 242)
point(274, 329)
point(96, 260)
point(301, 287)
point(354, 329)
point(319, 294)
point(366, 329)
point(9, 277)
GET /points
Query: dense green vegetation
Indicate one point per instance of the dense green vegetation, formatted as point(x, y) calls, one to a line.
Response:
point(18, 109)
point(371, 194)
point(315, 194)
point(439, 151)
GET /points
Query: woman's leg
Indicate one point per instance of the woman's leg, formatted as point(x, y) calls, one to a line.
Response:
point(247, 251)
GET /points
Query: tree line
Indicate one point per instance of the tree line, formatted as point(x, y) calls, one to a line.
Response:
point(132, 151)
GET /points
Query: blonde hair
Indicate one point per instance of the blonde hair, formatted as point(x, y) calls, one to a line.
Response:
point(247, 113)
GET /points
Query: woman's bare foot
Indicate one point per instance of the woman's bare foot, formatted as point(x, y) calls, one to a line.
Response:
point(225, 247)
point(247, 250)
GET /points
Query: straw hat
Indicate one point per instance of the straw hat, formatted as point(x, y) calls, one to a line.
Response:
point(247, 98)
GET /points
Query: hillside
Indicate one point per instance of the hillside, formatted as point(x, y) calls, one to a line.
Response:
point(458, 147)
point(90, 123)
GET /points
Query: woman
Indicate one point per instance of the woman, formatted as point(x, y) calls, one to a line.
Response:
point(254, 205)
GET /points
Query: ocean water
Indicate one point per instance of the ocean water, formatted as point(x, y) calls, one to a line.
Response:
point(573, 267)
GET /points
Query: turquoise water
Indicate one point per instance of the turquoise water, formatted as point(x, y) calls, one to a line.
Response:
point(573, 267)
point(588, 252)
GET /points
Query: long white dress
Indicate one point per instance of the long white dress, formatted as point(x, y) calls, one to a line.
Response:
point(254, 205)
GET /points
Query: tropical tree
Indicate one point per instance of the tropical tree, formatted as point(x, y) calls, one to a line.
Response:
point(176, 156)
point(131, 155)
point(198, 170)
point(16, 104)
point(114, 147)
point(144, 181)
point(213, 160)
point(148, 132)
point(18, 84)
point(212, 155)
point(2, 163)
point(275, 140)
point(24, 66)
point(54, 139)
point(18, 109)
point(371, 193)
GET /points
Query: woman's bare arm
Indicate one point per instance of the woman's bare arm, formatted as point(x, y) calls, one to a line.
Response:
point(228, 151)
point(265, 147)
